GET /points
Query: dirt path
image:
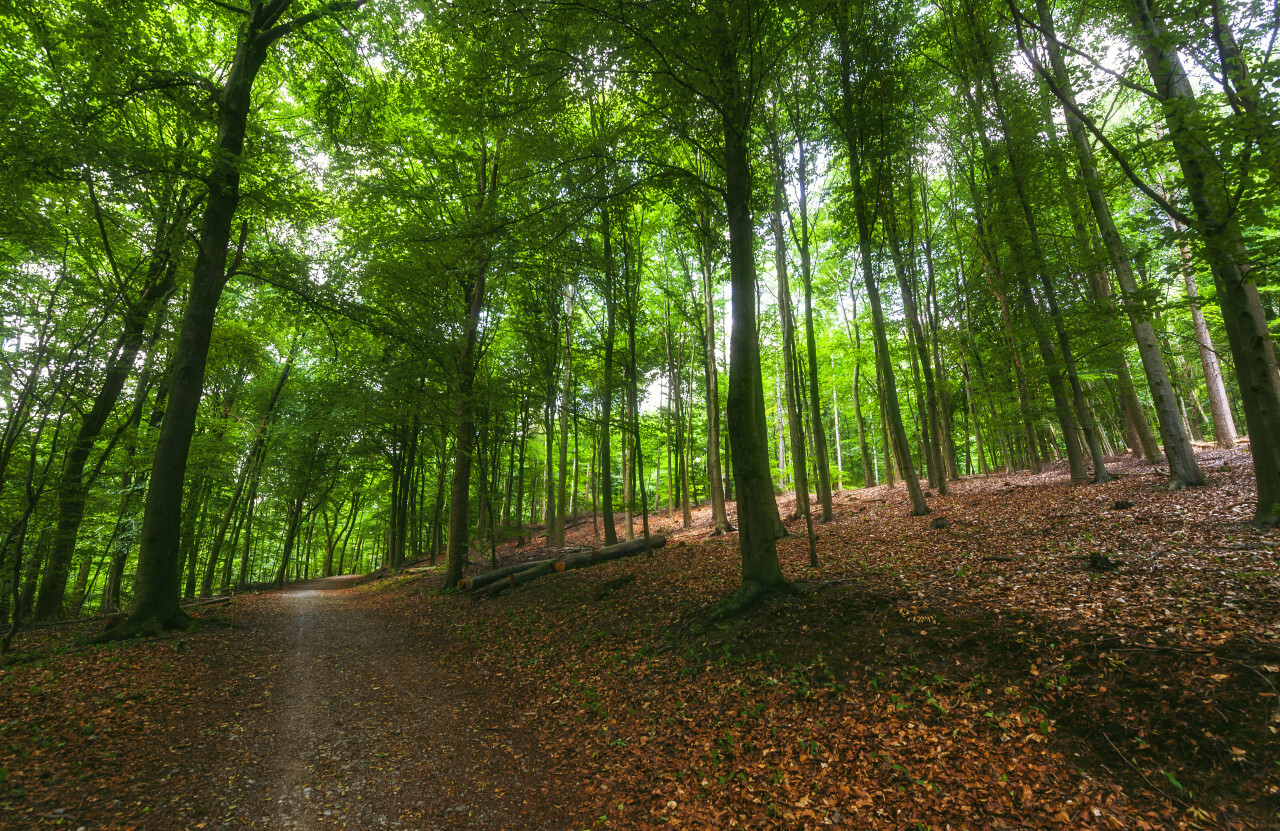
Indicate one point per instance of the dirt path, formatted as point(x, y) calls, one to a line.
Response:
point(343, 721)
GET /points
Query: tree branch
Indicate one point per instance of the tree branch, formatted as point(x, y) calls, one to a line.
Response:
point(1075, 111)
point(232, 8)
point(270, 36)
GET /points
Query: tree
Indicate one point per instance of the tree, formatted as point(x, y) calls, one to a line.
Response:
point(1183, 469)
point(159, 565)
point(854, 104)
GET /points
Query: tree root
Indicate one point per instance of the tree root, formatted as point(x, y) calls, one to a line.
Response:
point(152, 625)
point(751, 594)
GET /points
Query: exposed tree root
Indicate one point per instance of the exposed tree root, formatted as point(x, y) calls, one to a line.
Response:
point(152, 625)
point(751, 594)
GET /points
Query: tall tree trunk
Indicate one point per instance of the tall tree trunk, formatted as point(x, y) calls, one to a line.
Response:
point(606, 379)
point(1039, 266)
point(549, 464)
point(715, 472)
point(835, 418)
point(1224, 427)
point(460, 498)
point(557, 528)
point(1218, 226)
point(256, 449)
point(628, 473)
point(633, 276)
point(292, 522)
point(946, 441)
point(1183, 469)
point(194, 516)
point(522, 438)
point(863, 215)
point(73, 486)
point(156, 583)
point(864, 447)
point(791, 380)
point(757, 509)
point(683, 444)
point(930, 432)
point(811, 345)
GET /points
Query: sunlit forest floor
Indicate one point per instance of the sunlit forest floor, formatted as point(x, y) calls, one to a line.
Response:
point(973, 676)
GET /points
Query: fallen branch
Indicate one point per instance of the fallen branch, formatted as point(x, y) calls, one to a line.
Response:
point(492, 583)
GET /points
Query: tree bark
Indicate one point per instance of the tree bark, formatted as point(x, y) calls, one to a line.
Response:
point(929, 423)
point(1218, 226)
point(757, 510)
point(460, 495)
point(1183, 469)
point(715, 472)
point(73, 486)
point(790, 376)
point(1224, 427)
point(156, 583)
point(606, 380)
point(818, 430)
point(854, 141)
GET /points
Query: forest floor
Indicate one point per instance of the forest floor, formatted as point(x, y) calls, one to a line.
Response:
point(974, 676)
point(316, 707)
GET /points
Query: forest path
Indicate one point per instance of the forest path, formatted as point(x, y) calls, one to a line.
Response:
point(344, 721)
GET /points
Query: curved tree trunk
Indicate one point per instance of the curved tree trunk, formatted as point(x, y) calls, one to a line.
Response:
point(159, 566)
point(73, 486)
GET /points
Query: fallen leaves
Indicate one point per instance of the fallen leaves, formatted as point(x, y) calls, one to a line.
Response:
point(966, 675)
point(973, 676)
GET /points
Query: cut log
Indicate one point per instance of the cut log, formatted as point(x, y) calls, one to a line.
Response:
point(479, 581)
point(493, 582)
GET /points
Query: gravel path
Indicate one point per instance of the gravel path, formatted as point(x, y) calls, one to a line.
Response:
point(341, 720)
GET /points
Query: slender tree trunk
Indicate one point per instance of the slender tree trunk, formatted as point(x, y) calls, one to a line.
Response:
point(863, 218)
point(946, 442)
point(835, 418)
point(930, 433)
point(293, 522)
point(791, 380)
point(195, 514)
point(811, 345)
point(557, 532)
point(1224, 426)
point(864, 447)
point(522, 437)
point(606, 380)
point(628, 473)
point(460, 499)
point(637, 449)
point(1183, 469)
point(73, 486)
point(715, 472)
